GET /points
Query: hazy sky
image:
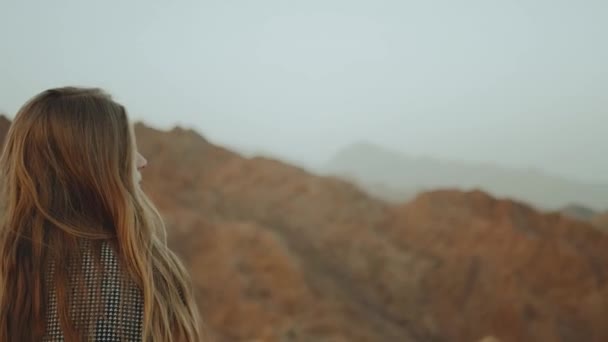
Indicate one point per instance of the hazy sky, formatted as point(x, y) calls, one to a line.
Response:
point(516, 82)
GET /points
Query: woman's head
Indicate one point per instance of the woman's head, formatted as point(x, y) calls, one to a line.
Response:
point(69, 173)
point(72, 150)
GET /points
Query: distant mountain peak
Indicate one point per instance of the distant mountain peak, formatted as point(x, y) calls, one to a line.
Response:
point(371, 164)
point(578, 212)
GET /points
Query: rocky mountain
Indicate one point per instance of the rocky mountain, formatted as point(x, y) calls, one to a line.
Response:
point(601, 221)
point(371, 164)
point(578, 212)
point(279, 254)
point(282, 255)
point(5, 124)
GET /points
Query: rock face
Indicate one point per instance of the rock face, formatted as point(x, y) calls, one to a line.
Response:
point(505, 270)
point(5, 124)
point(277, 254)
point(285, 255)
point(601, 221)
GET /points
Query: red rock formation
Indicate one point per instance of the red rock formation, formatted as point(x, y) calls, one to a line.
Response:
point(450, 266)
point(4, 126)
point(506, 270)
point(601, 221)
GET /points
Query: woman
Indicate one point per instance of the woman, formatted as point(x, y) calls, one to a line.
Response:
point(83, 253)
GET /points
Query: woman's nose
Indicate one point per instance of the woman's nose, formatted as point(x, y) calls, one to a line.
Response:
point(141, 162)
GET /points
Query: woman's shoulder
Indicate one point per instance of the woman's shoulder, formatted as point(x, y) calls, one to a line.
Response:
point(111, 301)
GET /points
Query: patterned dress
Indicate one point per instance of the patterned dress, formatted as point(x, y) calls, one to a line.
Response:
point(121, 302)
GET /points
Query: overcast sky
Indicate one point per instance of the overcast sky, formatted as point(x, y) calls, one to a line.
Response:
point(516, 82)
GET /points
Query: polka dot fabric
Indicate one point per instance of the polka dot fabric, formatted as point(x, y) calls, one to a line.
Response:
point(120, 308)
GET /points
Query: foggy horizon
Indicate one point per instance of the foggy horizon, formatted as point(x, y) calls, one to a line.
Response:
point(512, 84)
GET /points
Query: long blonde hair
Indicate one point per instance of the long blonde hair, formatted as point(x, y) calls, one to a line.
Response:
point(66, 176)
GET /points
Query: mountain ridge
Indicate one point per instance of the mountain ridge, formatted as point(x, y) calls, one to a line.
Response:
point(405, 272)
point(367, 163)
